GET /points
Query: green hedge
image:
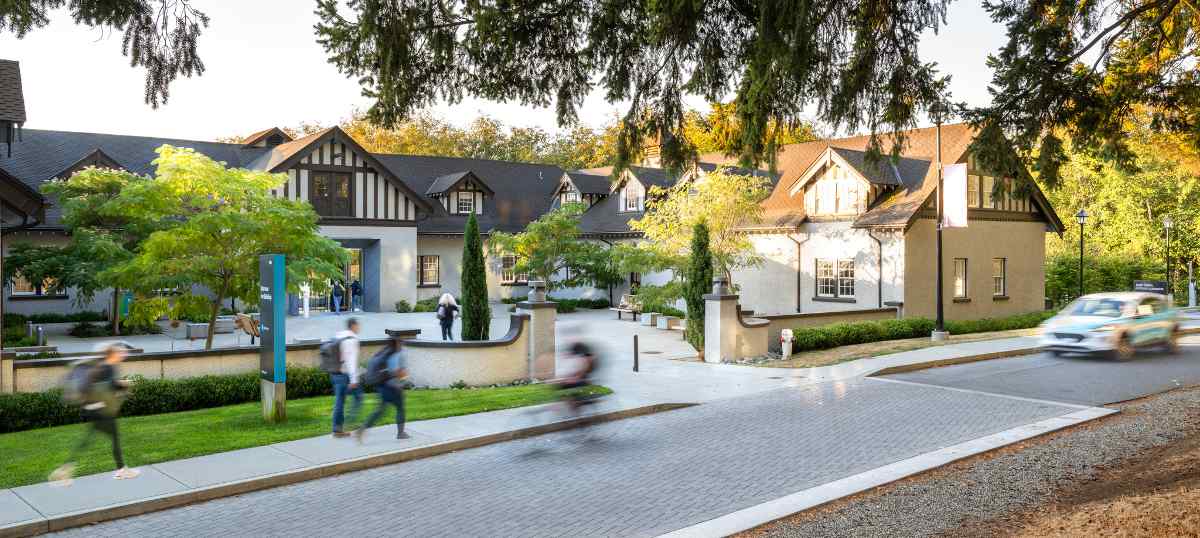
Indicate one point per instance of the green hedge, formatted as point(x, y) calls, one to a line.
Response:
point(665, 310)
point(18, 320)
point(26, 411)
point(862, 332)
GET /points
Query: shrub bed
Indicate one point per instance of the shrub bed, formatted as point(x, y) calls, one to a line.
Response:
point(862, 332)
point(29, 410)
point(18, 320)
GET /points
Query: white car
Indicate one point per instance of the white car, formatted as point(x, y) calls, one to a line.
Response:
point(1115, 324)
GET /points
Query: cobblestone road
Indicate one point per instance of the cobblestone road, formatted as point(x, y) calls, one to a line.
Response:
point(640, 477)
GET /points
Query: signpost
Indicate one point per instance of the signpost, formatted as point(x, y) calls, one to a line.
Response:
point(1151, 286)
point(272, 304)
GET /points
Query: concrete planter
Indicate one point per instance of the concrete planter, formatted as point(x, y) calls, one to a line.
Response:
point(649, 319)
point(667, 323)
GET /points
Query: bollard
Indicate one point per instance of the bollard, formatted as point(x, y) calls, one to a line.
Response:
point(29, 329)
point(635, 353)
point(41, 336)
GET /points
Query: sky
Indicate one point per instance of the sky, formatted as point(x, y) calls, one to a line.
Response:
point(264, 68)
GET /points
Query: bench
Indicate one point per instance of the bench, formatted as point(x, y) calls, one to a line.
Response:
point(628, 305)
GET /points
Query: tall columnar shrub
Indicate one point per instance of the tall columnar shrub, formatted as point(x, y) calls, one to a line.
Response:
point(698, 283)
point(476, 316)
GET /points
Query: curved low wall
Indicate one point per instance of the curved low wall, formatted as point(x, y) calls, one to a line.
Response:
point(752, 336)
point(431, 363)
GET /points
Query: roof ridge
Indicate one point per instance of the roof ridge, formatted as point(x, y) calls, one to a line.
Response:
point(234, 144)
point(377, 154)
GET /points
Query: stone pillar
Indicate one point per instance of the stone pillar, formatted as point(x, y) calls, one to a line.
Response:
point(8, 382)
point(720, 323)
point(542, 314)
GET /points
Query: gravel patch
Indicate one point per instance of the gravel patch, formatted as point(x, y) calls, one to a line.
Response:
point(1008, 481)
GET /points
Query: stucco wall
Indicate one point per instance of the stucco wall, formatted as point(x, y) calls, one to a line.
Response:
point(431, 363)
point(449, 252)
point(397, 263)
point(1022, 243)
point(769, 288)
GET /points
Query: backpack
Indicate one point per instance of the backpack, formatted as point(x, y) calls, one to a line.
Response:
point(331, 355)
point(378, 372)
point(77, 387)
point(442, 311)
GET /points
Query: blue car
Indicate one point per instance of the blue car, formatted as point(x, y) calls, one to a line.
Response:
point(1113, 324)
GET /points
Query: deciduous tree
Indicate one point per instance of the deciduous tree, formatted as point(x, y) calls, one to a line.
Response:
point(221, 221)
point(551, 249)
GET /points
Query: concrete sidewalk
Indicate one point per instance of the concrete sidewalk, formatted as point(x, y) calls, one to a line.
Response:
point(661, 385)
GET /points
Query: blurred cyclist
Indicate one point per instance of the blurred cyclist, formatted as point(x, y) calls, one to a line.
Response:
point(586, 363)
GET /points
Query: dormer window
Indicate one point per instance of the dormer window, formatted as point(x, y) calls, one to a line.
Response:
point(466, 203)
point(632, 196)
point(570, 197)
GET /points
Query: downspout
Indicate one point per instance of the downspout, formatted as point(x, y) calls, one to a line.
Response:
point(799, 271)
point(879, 285)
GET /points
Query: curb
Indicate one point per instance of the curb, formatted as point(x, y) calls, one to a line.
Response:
point(904, 368)
point(815, 497)
point(175, 500)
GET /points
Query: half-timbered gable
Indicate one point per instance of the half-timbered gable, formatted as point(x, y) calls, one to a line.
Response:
point(576, 187)
point(460, 193)
point(344, 183)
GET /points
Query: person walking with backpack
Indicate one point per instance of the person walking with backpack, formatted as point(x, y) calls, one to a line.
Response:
point(446, 310)
point(339, 357)
point(96, 386)
point(386, 371)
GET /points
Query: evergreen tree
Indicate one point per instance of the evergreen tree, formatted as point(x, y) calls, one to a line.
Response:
point(476, 315)
point(699, 282)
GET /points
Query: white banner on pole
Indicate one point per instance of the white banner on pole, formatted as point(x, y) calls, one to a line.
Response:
point(954, 180)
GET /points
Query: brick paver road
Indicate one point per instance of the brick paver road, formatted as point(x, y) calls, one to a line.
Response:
point(642, 476)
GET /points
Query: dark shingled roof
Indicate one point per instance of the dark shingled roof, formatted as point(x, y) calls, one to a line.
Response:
point(590, 183)
point(43, 155)
point(12, 100)
point(441, 184)
point(257, 137)
point(522, 190)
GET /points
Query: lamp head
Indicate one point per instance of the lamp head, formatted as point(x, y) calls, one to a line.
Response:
point(1081, 216)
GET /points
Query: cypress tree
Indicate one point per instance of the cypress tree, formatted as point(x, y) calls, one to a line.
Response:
point(476, 315)
point(699, 282)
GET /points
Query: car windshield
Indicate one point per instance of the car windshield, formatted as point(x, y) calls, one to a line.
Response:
point(1109, 308)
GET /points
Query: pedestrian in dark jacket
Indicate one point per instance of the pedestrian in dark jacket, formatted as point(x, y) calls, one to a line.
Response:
point(338, 294)
point(101, 406)
point(446, 310)
point(389, 383)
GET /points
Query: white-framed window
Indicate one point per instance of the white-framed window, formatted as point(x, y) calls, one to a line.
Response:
point(466, 202)
point(845, 278)
point(972, 191)
point(633, 197)
point(570, 196)
point(999, 277)
point(508, 271)
point(985, 188)
point(431, 269)
point(960, 278)
point(835, 278)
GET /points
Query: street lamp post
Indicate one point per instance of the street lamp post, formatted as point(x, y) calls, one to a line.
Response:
point(1081, 216)
point(1168, 224)
point(939, 330)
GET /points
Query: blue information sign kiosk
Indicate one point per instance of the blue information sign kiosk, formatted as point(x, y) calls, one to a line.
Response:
point(272, 308)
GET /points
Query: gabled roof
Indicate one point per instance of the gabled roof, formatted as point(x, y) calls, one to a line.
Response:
point(12, 100)
point(255, 138)
point(523, 191)
point(96, 158)
point(284, 156)
point(587, 183)
point(445, 183)
point(21, 199)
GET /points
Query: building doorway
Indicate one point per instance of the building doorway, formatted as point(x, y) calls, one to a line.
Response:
point(354, 280)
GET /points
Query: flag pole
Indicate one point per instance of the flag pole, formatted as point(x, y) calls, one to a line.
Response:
point(939, 331)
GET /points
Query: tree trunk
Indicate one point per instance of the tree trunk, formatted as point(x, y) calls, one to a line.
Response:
point(212, 322)
point(116, 312)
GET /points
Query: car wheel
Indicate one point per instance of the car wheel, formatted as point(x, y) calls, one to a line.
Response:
point(1055, 353)
point(1124, 350)
point(1172, 344)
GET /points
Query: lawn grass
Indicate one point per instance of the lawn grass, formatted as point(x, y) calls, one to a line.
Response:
point(29, 456)
point(827, 357)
